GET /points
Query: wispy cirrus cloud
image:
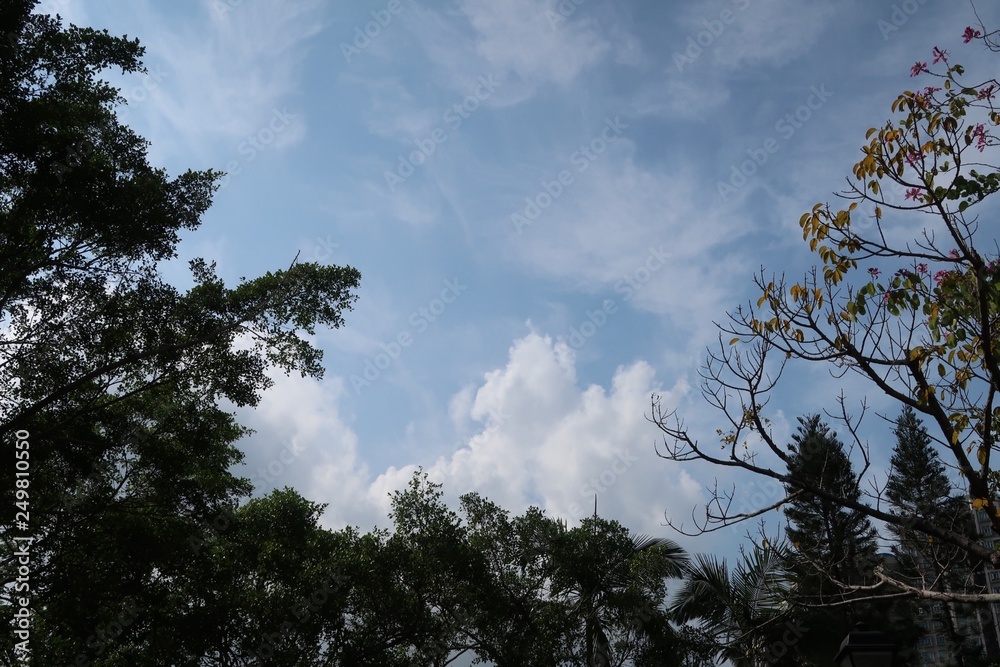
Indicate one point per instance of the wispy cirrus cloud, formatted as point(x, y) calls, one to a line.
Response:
point(222, 77)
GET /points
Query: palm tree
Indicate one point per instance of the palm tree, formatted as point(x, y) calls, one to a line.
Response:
point(739, 609)
point(615, 583)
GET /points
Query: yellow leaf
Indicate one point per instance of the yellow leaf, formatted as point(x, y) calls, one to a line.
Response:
point(734, 341)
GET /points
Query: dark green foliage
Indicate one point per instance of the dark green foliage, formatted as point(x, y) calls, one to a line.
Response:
point(116, 375)
point(525, 590)
point(743, 613)
point(840, 541)
point(833, 546)
point(146, 550)
point(919, 486)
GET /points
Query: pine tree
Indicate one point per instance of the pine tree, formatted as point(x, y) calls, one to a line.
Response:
point(834, 546)
point(839, 541)
point(919, 486)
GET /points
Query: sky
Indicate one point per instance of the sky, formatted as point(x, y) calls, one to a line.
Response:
point(550, 203)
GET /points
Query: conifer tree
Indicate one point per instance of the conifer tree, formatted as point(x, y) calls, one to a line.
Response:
point(835, 538)
point(919, 486)
point(834, 547)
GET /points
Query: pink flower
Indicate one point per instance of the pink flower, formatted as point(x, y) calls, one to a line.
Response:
point(979, 134)
point(986, 93)
point(970, 34)
point(874, 272)
point(922, 269)
point(940, 275)
point(918, 68)
point(940, 55)
point(913, 193)
point(953, 254)
point(913, 157)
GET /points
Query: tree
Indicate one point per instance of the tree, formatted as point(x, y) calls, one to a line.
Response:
point(839, 540)
point(924, 335)
point(918, 484)
point(269, 586)
point(744, 611)
point(111, 375)
point(615, 583)
point(834, 546)
point(520, 591)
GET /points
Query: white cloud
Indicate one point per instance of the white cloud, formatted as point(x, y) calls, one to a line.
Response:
point(527, 44)
point(301, 440)
point(533, 40)
point(682, 96)
point(540, 439)
point(772, 33)
point(652, 214)
point(221, 76)
point(546, 441)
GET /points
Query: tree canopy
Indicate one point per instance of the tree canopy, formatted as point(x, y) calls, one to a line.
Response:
point(113, 376)
point(904, 296)
point(146, 547)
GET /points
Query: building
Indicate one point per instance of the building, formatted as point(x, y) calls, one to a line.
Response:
point(979, 624)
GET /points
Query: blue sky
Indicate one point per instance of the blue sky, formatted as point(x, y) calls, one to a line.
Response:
point(545, 202)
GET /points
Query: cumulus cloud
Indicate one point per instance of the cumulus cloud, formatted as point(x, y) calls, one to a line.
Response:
point(303, 441)
point(537, 437)
point(545, 440)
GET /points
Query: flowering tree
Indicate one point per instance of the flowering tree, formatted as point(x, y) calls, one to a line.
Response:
point(905, 295)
